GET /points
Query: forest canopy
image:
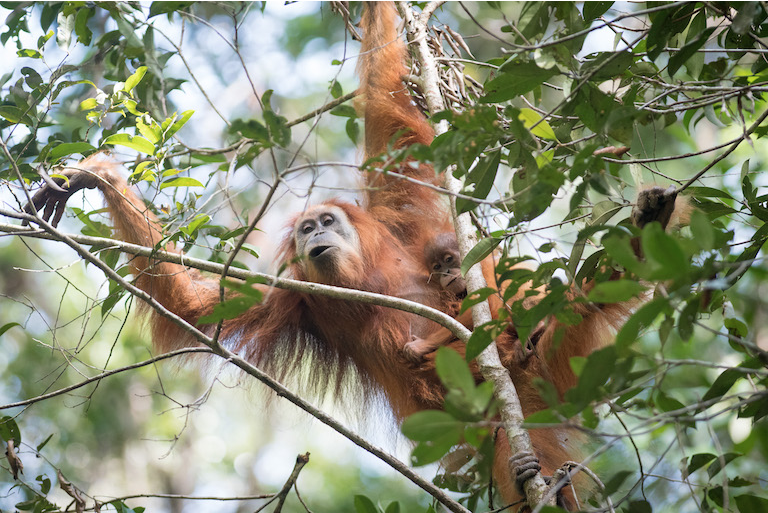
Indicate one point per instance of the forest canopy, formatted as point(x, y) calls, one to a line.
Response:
point(229, 118)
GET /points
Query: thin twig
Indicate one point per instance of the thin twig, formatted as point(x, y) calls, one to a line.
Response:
point(106, 374)
point(727, 152)
point(301, 460)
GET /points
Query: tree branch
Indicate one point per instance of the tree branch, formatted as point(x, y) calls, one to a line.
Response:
point(301, 460)
point(306, 287)
point(727, 152)
point(488, 361)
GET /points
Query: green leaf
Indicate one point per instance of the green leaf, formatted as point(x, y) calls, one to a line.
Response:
point(44, 443)
point(608, 65)
point(751, 504)
point(48, 14)
point(65, 149)
point(665, 24)
point(32, 54)
point(477, 435)
point(28, 505)
point(722, 384)
point(352, 128)
point(709, 192)
point(8, 326)
point(544, 417)
point(344, 111)
point(534, 19)
point(178, 123)
point(134, 79)
point(336, 90)
point(278, 128)
point(251, 129)
point(641, 319)
point(530, 117)
point(639, 507)
point(364, 505)
point(699, 460)
point(736, 327)
point(151, 134)
point(615, 291)
point(228, 309)
point(277, 125)
point(394, 507)
point(453, 370)
point(614, 483)
point(577, 364)
point(720, 463)
point(515, 78)
point(91, 227)
point(482, 177)
point(620, 249)
point(476, 297)
point(702, 230)
point(687, 317)
point(9, 430)
point(90, 103)
point(594, 10)
point(603, 211)
point(157, 8)
point(45, 483)
point(664, 254)
point(120, 507)
point(687, 51)
point(31, 77)
point(600, 364)
point(182, 181)
point(197, 222)
point(481, 338)
point(130, 106)
point(430, 425)
point(137, 143)
point(483, 248)
point(588, 268)
point(84, 34)
point(116, 293)
point(759, 238)
point(16, 115)
point(667, 403)
point(434, 450)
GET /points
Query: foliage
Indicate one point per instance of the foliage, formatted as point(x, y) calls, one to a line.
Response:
point(581, 106)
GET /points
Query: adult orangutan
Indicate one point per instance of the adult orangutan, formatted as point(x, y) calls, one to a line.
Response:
point(367, 248)
point(377, 247)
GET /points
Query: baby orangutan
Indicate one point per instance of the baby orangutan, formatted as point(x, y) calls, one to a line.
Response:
point(442, 259)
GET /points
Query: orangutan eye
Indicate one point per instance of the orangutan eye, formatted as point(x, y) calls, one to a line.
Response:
point(307, 228)
point(326, 220)
point(436, 267)
point(448, 259)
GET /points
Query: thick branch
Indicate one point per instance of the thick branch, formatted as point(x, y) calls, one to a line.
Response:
point(488, 361)
point(405, 305)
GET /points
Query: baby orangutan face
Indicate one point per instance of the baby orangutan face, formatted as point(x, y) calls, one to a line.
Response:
point(444, 263)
